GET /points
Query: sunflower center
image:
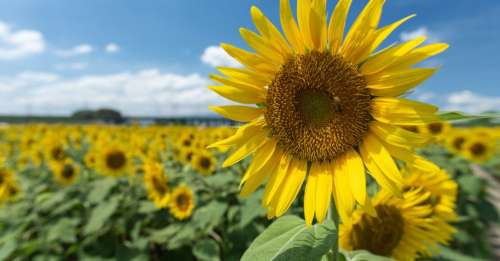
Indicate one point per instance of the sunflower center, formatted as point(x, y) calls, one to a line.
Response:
point(159, 186)
point(477, 149)
point(116, 160)
point(379, 235)
point(68, 171)
point(318, 106)
point(205, 163)
point(57, 153)
point(435, 128)
point(458, 142)
point(182, 201)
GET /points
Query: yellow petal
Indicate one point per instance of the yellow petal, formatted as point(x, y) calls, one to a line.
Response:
point(269, 31)
point(237, 112)
point(275, 180)
point(262, 156)
point(337, 23)
point(382, 158)
point(291, 186)
point(418, 55)
point(262, 47)
point(245, 96)
point(357, 179)
point(317, 24)
point(323, 189)
point(400, 111)
point(255, 179)
point(411, 158)
point(376, 173)
point(343, 194)
point(246, 149)
point(310, 198)
point(398, 82)
point(387, 57)
point(233, 83)
point(398, 136)
point(251, 60)
point(364, 26)
point(290, 27)
point(384, 32)
point(243, 133)
point(245, 76)
point(303, 12)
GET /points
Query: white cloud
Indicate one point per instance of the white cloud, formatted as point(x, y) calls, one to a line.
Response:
point(16, 44)
point(75, 51)
point(112, 48)
point(216, 56)
point(71, 66)
point(468, 101)
point(425, 96)
point(421, 31)
point(145, 92)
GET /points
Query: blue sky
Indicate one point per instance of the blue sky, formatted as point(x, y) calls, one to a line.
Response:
point(145, 57)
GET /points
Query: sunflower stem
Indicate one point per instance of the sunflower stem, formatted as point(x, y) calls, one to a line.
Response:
point(333, 215)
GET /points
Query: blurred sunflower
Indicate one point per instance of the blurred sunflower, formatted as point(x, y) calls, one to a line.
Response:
point(442, 190)
point(8, 185)
point(66, 172)
point(113, 160)
point(456, 140)
point(156, 183)
point(438, 130)
point(478, 149)
point(55, 150)
point(182, 202)
point(400, 230)
point(204, 162)
point(325, 103)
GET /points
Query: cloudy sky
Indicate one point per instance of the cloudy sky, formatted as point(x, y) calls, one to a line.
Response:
point(153, 57)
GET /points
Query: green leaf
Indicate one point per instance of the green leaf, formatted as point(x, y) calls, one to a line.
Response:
point(164, 235)
point(101, 189)
point(252, 208)
point(101, 214)
point(210, 215)
point(64, 230)
point(455, 115)
point(7, 249)
point(146, 207)
point(206, 250)
point(288, 238)
point(450, 254)
point(363, 255)
point(472, 185)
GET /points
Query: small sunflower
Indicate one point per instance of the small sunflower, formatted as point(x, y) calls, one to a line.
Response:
point(400, 230)
point(326, 102)
point(204, 162)
point(66, 172)
point(438, 130)
point(478, 149)
point(114, 160)
point(455, 140)
point(90, 159)
point(8, 185)
point(156, 183)
point(182, 202)
point(55, 151)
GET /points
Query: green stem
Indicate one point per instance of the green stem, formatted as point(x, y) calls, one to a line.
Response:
point(333, 215)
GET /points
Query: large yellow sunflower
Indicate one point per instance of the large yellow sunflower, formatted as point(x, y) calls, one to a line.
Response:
point(114, 160)
point(182, 202)
point(156, 183)
point(402, 229)
point(327, 105)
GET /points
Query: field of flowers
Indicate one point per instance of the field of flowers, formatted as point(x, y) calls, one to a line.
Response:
point(101, 192)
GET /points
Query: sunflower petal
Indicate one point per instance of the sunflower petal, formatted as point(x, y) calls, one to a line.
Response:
point(303, 12)
point(343, 195)
point(396, 135)
point(411, 158)
point(384, 32)
point(290, 27)
point(245, 96)
point(269, 31)
point(246, 148)
point(237, 112)
point(252, 180)
point(382, 158)
point(263, 47)
point(245, 76)
point(377, 173)
point(323, 190)
point(357, 179)
point(262, 156)
point(243, 133)
point(400, 111)
point(275, 180)
point(387, 57)
point(418, 55)
point(251, 60)
point(398, 82)
point(310, 198)
point(317, 25)
point(337, 23)
point(291, 186)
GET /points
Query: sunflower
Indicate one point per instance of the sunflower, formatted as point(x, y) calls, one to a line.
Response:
point(156, 183)
point(8, 185)
point(326, 104)
point(55, 150)
point(182, 202)
point(204, 162)
point(113, 160)
point(402, 228)
point(478, 149)
point(438, 130)
point(65, 172)
point(456, 140)
point(442, 191)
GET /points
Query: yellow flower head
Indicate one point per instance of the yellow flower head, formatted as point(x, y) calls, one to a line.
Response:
point(204, 162)
point(66, 172)
point(114, 160)
point(156, 183)
point(456, 140)
point(9, 188)
point(329, 105)
point(182, 202)
point(478, 149)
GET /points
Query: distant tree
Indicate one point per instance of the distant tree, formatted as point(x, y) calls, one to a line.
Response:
point(103, 114)
point(85, 115)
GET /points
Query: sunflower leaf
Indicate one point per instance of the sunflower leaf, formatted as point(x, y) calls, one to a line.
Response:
point(289, 238)
point(363, 255)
